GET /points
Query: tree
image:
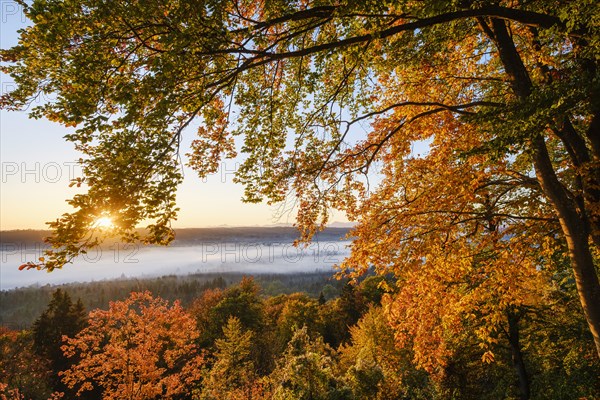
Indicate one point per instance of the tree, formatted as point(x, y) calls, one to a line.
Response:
point(376, 368)
point(306, 371)
point(289, 312)
point(505, 94)
point(214, 309)
point(232, 375)
point(559, 352)
point(338, 315)
point(201, 310)
point(61, 318)
point(140, 348)
point(373, 288)
point(22, 372)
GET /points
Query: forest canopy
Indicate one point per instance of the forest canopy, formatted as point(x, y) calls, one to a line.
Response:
point(484, 227)
point(237, 342)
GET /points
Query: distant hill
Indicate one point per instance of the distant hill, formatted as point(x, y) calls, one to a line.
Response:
point(191, 236)
point(28, 237)
point(250, 234)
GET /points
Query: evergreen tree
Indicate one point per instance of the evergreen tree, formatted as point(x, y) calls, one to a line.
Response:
point(232, 374)
point(61, 318)
point(322, 299)
point(242, 301)
point(339, 315)
point(306, 371)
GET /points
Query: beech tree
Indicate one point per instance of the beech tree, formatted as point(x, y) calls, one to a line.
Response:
point(23, 374)
point(378, 369)
point(506, 95)
point(140, 348)
point(292, 311)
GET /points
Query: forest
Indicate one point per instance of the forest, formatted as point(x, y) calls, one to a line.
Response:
point(22, 306)
point(305, 336)
point(460, 138)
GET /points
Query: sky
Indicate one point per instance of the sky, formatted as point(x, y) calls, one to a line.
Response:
point(37, 165)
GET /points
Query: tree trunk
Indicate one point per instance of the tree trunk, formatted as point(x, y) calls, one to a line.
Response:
point(577, 238)
point(574, 222)
point(517, 354)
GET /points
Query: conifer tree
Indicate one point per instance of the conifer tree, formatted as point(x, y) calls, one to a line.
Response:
point(61, 318)
point(307, 371)
point(232, 375)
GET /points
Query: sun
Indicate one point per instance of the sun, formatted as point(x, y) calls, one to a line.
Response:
point(104, 222)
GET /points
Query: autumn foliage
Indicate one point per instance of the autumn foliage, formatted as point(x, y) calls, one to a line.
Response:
point(463, 138)
point(293, 346)
point(329, 101)
point(140, 348)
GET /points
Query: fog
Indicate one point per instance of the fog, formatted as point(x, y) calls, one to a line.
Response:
point(128, 261)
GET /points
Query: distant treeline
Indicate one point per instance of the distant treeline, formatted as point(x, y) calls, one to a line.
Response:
point(22, 237)
point(20, 307)
point(190, 236)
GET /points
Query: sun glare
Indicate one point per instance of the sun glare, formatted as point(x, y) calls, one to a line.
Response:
point(104, 222)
